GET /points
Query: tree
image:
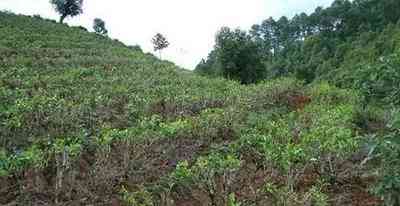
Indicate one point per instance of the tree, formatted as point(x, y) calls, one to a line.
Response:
point(67, 8)
point(239, 56)
point(99, 26)
point(160, 43)
point(310, 47)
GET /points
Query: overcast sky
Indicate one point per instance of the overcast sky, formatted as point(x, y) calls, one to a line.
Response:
point(189, 25)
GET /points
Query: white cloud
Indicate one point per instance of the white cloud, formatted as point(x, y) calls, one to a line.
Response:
point(190, 25)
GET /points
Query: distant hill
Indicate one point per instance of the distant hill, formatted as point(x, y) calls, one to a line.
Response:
point(86, 120)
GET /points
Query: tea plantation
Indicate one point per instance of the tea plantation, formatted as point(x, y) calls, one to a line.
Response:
point(86, 120)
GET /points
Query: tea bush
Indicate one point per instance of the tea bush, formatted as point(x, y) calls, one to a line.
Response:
point(388, 150)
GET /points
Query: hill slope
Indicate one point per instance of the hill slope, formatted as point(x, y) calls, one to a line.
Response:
point(88, 121)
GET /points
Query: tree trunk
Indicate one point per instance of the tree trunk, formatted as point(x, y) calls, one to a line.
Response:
point(62, 18)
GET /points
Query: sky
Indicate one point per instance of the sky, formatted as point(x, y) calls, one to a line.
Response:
point(189, 25)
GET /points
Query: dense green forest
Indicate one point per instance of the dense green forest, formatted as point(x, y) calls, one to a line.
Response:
point(301, 111)
point(351, 44)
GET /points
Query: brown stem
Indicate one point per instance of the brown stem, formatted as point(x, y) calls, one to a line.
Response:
point(62, 18)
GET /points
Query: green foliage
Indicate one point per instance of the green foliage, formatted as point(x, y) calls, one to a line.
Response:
point(38, 155)
point(136, 48)
point(138, 198)
point(153, 127)
point(99, 26)
point(320, 134)
point(67, 8)
point(388, 150)
point(275, 145)
point(216, 162)
point(71, 146)
point(4, 163)
point(324, 93)
point(380, 80)
point(159, 42)
point(352, 44)
point(232, 200)
point(31, 157)
point(239, 56)
point(183, 173)
point(273, 190)
point(176, 128)
point(283, 196)
point(146, 127)
point(318, 197)
point(331, 132)
point(214, 124)
point(205, 169)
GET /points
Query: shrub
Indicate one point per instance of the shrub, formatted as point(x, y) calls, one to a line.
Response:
point(4, 163)
point(388, 151)
point(31, 157)
point(282, 195)
point(232, 200)
point(324, 93)
point(139, 198)
point(204, 171)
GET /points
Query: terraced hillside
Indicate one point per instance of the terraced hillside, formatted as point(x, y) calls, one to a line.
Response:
point(85, 120)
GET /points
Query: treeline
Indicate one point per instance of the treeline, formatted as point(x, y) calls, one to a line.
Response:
point(327, 44)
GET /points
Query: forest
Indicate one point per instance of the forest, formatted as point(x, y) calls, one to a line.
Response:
point(351, 44)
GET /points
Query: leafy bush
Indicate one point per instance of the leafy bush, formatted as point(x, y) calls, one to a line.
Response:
point(4, 164)
point(284, 196)
point(177, 128)
point(138, 198)
point(388, 150)
point(31, 157)
point(71, 146)
point(377, 79)
point(204, 173)
point(324, 93)
point(232, 200)
point(332, 131)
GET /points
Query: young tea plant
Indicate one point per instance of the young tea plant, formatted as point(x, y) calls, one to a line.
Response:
point(388, 151)
point(138, 198)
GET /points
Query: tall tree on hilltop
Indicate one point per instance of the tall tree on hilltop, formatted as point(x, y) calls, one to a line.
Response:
point(67, 8)
point(160, 43)
point(99, 27)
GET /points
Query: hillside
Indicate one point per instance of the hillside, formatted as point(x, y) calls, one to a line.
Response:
point(85, 120)
point(351, 44)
